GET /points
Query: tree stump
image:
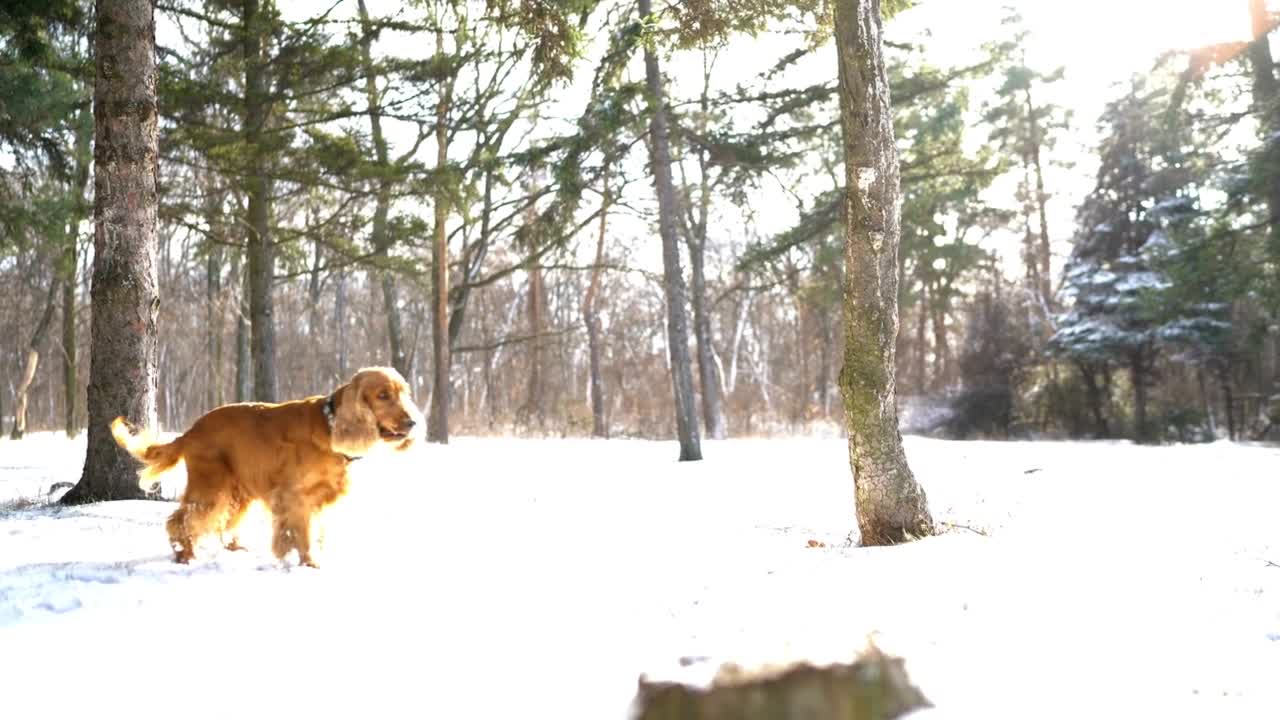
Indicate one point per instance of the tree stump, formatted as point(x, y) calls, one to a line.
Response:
point(873, 687)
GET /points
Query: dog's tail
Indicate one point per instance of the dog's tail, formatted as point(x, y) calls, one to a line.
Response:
point(157, 458)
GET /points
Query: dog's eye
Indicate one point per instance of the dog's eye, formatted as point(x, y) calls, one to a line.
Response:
point(384, 395)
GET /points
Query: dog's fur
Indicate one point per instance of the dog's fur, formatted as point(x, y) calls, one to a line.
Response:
point(290, 456)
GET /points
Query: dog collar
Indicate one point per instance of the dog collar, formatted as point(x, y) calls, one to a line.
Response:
point(328, 416)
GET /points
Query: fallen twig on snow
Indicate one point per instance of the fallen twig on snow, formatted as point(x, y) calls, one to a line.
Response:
point(979, 531)
point(1270, 563)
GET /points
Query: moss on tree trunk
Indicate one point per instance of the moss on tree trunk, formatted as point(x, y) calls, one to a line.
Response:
point(891, 505)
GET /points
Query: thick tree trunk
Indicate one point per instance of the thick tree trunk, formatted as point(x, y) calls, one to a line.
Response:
point(33, 360)
point(590, 318)
point(258, 187)
point(438, 425)
point(125, 295)
point(891, 505)
point(673, 277)
point(379, 237)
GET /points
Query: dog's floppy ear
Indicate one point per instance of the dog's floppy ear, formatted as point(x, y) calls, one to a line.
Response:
point(355, 427)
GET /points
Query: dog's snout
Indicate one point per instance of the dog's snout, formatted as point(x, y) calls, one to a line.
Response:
point(408, 424)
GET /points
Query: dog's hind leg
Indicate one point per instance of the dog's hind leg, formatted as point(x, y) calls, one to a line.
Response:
point(235, 514)
point(204, 508)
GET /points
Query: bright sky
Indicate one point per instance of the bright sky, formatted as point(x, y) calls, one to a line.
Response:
point(1100, 43)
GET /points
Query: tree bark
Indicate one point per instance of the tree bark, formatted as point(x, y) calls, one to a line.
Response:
point(70, 384)
point(70, 388)
point(340, 319)
point(599, 428)
point(213, 295)
point(244, 360)
point(213, 326)
point(124, 294)
point(33, 360)
point(922, 350)
point(708, 377)
point(438, 425)
point(1042, 252)
point(379, 237)
point(891, 505)
point(258, 187)
point(673, 277)
point(1138, 377)
point(534, 409)
point(1095, 396)
point(696, 239)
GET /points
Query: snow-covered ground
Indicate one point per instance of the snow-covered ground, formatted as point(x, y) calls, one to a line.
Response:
point(516, 578)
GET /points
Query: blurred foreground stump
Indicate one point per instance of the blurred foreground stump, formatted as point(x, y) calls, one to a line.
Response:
point(873, 687)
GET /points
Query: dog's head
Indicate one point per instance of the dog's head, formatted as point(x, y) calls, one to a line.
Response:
point(375, 406)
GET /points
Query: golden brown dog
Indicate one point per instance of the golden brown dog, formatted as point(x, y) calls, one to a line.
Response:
point(291, 456)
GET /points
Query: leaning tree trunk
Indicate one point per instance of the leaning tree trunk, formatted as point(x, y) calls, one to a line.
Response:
point(33, 361)
point(125, 300)
point(891, 505)
point(591, 318)
point(258, 187)
point(438, 425)
point(673, 278)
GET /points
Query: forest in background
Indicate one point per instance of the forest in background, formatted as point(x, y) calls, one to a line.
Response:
point(317, 169)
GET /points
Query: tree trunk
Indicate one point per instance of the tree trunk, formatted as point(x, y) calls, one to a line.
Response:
point(1228, 399)
point(534, 409)
point(696, 239)
point(379, 237)
point(258, 187)
point(891, 505)
point(70, 383)
point(1095, 396)
point(922, 350)
point(438, 426)
point(824, 364)
point(673, 277)
point(124, 294)
point(739, 328)
point(33, 361)
point(1138, 377)
point(244, 360)
point(70, 389)
point(213, 325)
point(941, 349)
point(708, 377)
point(340, 319)
point(599, 428)
point(1042, 253)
